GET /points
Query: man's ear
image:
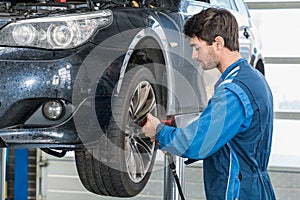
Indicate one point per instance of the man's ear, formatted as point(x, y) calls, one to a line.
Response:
point(219, 42)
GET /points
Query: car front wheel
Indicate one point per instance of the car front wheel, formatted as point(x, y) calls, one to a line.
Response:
point(121, 166)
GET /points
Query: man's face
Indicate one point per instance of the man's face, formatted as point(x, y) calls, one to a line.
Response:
point(204, 54)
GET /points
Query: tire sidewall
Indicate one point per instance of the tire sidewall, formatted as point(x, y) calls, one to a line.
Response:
point(130, 82)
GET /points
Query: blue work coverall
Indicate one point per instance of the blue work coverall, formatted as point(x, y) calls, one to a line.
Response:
point(232, 136)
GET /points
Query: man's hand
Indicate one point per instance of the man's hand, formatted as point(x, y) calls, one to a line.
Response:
point(149, 129)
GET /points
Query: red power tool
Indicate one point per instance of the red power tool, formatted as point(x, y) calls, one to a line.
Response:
point(168, 120)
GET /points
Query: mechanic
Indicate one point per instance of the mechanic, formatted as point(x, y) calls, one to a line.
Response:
point(233, 135)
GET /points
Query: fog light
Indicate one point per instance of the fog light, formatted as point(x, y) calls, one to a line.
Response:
point(53, 109)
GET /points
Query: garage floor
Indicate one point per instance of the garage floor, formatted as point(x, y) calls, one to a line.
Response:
point(59, 180)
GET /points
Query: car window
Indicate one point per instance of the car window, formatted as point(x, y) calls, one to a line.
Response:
point(222, 3)
point(192, 7)
point(234, 6)
point(242, 8)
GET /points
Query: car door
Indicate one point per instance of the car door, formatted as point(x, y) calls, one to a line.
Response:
point(189, 85)
point(199, 85)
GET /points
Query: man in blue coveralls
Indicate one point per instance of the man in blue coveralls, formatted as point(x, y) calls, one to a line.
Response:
point(233, 135)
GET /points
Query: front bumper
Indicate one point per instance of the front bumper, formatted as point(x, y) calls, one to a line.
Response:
point(54, 137)
point(27, 84)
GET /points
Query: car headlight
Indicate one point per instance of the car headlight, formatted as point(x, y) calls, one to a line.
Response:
point(57, 32)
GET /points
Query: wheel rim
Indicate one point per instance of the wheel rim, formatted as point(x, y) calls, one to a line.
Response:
point(138, 149)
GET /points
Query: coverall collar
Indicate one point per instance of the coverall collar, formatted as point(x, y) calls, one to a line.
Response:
point(233, 65)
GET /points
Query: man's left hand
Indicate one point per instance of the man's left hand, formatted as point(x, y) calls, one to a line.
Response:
point(149, 129)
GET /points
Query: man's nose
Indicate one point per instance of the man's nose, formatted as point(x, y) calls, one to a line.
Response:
point(194, 55)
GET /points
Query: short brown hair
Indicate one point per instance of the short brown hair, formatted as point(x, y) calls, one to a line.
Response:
point(213, 22)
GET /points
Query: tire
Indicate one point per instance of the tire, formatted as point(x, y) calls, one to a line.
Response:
point(126, 157)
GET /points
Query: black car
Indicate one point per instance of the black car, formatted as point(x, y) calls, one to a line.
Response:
point(81, 75)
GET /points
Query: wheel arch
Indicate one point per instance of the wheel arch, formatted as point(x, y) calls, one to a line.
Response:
point(154, 60)
point(148, 52)
point(260, 66)
point(257, 60)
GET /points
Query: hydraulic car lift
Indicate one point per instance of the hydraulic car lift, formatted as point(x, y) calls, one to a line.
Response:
point(173, 176)
point(2, 172)
point(175, 168)
point(171, 192)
